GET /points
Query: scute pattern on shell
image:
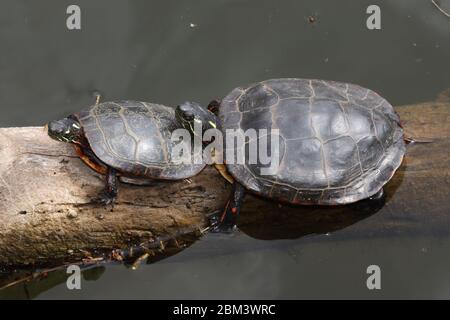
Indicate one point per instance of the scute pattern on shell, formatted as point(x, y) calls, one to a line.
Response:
point(339, 142)
point(134, 138)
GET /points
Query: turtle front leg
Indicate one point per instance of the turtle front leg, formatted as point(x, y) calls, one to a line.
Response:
point(109, 195)
point(228, 220)
point(214, 106)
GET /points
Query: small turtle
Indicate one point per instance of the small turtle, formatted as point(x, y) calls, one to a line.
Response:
point(338, 142)
point(126, 139)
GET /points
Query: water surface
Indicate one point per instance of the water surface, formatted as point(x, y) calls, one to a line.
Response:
point(171, 51)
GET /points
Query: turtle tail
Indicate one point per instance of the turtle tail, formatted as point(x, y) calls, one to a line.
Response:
point(410, 140)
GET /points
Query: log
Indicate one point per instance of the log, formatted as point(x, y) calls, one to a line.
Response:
point(47, 216)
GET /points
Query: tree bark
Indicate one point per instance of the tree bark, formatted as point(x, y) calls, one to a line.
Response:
point(47, 215)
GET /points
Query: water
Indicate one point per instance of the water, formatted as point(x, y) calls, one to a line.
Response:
point(171, 51)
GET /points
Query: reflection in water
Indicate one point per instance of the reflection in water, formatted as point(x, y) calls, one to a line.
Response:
point(27, 284)
point(32, 288)
point(267, 220)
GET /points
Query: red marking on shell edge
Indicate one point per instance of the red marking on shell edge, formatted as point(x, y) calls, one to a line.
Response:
point(94, 166)
point(224, 211)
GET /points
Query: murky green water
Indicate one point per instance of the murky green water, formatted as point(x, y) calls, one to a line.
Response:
point(171, 51)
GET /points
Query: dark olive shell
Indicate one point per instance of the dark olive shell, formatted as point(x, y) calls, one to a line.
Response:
point(134, 138)
point(339, 142)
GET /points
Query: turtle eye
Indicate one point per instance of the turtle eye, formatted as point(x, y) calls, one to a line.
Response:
point(188, 115)
point(182, 108)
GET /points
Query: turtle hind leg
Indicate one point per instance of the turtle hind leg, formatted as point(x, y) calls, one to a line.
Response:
point(372, 204)
point(109, 194)
point(378, 196)
point(228, 219)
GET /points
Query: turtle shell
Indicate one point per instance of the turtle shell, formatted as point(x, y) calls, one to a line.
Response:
point(338, 142)
point(135, 138)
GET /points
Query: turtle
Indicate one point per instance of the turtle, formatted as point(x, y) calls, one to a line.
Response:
point(338, 142)
point(125, 140)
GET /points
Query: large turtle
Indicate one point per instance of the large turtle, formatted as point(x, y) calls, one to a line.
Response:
point(338, 142)
point(126, 139)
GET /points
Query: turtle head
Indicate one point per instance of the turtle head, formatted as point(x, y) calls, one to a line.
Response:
point(65, 130)
point(191, 113)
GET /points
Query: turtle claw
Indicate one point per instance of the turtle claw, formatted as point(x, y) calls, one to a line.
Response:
point(371, 204)
point(214, 218)
point(218, 226)
point(224, 228)
point(380, 195)
point(105, 198)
